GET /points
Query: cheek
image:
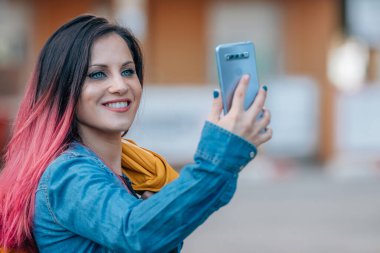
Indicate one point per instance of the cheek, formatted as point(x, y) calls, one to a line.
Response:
point(80, 111)
point(86, 98)
point(90, 93)
point(137, 90)
point(139, 94)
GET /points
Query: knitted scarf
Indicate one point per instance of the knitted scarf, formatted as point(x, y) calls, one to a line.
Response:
point(146, 169)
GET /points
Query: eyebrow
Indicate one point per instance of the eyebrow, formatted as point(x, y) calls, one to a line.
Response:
point(104, 65)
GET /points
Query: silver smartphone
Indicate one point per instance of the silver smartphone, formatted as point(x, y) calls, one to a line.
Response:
point(234, 60)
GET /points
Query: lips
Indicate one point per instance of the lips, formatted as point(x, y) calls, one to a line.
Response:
point(120, 105)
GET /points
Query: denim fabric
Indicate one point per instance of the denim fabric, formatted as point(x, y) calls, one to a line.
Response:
point(82, 206)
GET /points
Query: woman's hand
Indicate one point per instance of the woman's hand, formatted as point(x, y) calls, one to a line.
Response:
point(241, 122)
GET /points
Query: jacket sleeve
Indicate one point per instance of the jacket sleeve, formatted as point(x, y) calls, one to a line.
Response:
point(91, 202)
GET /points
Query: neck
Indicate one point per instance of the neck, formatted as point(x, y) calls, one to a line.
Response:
point(106, 145)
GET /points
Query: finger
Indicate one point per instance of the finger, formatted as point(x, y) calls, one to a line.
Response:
point(264, 137)
point(216, 108)
point(263, 122)
point(259, 102)
point(267, 135)
point(239, 95)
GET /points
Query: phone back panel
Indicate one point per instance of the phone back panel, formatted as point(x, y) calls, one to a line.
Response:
point(234, 60)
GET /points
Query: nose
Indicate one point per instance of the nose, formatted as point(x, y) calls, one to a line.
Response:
point(118, 85)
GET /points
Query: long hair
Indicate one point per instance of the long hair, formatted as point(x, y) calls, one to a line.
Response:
point(46, 123)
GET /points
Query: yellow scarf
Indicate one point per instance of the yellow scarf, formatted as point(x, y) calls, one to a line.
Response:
point(147, 170)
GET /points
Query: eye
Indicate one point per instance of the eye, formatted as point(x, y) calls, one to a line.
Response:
point(128, 72)
point(97, 75)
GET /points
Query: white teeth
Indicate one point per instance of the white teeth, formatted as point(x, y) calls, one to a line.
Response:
point(118, 105)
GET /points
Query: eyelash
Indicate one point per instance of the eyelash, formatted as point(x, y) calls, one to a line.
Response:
point(98, 75)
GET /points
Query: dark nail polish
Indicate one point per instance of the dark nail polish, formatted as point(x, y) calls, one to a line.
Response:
point(216, 93)
point(265, 88)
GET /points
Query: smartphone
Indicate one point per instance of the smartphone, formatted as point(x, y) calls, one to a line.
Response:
point(233, 61)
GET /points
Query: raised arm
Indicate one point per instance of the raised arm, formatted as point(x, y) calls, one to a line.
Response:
point(91, 202)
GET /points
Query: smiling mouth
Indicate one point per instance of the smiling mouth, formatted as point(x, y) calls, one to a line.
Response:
point(120, 106)
point(117, 105)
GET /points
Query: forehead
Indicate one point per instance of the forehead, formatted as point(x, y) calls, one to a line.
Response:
point(110, 48)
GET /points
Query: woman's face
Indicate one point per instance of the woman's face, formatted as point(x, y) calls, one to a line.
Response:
point(111, 92)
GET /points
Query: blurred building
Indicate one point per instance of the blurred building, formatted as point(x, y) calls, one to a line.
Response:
point(297, 42)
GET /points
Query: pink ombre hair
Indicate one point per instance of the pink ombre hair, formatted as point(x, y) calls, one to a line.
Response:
point(39, 136)
point(45, 124)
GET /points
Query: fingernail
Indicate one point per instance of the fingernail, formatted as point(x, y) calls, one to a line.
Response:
point(216, 93)
point(246, 77)
point(265, 88)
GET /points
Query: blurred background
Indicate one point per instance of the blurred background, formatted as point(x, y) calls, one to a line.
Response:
point(315, 186)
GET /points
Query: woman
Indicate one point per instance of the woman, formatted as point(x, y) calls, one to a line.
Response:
point(70, 184)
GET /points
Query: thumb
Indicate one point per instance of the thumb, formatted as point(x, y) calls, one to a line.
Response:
point(217, 107)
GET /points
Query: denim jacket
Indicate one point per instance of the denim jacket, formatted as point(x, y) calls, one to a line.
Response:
point(82, 206)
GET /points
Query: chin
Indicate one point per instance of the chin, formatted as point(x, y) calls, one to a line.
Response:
point(120, 128)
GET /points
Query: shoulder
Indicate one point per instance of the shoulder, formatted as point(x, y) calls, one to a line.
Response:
point(72, 186)
point(78, 161)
